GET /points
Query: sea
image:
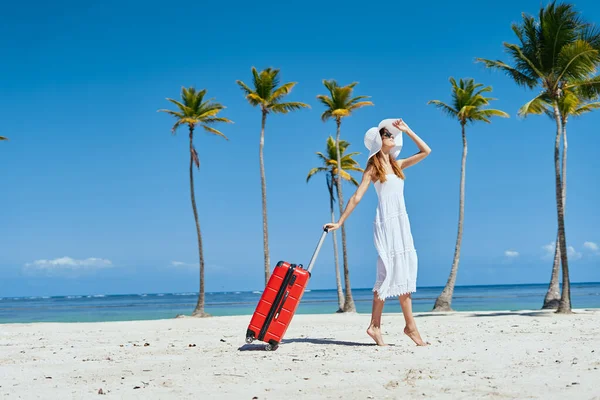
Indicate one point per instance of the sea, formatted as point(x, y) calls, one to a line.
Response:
point(151, 306)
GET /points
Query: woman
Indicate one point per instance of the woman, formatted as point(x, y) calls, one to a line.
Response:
point(397, 261)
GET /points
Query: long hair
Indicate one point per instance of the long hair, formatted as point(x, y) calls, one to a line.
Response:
point(379, 172)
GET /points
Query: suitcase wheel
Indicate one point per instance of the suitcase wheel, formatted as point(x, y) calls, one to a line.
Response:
point(250, 336)
point(271, 346)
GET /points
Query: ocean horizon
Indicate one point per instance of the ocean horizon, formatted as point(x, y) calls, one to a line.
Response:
point(151, 306)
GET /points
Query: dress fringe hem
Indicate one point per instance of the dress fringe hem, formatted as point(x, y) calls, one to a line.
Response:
point(394, 291)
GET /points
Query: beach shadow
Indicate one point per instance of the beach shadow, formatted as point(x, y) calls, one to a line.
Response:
point(329, 341)
point(261, 346)
point(252, 347)
point(514, 313)
point(441, 314)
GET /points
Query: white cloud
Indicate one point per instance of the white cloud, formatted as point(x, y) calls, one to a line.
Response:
point(573, 255)
point(182, 264)
point(591, 246)
point(68, 263)
point(549, 251)
point(511, 253)
point(571, 252)
point(549, 248)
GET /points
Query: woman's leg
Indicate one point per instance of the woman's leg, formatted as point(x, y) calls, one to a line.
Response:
point(374, 329)
point(411, 326)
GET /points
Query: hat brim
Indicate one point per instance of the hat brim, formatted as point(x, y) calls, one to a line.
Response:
point(373, 139)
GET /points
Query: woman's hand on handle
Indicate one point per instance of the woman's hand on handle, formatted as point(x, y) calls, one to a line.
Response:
point(331, 226)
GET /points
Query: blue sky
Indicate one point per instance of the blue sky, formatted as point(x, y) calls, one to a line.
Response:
point(94, 189)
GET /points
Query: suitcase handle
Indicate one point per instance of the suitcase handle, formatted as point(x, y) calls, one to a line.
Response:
point(316, 253)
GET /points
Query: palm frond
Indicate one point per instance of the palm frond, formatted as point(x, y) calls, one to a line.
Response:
point(451, 112)
point(195, 157)
point(519, 77)
point(538, 105)
point(347, 177)
point(586, 108)
point(244, 87)
point(326, 100)
point(212, 120)
point(358, 98)
point(557, 27)
point(315, 171)
point(176, 126)
point(176, 114)
point(493, 113)
point(282, 91)
point(326, 115)
point(208, 112)
point(587, 88)
point(284, 108)
point(577, 60)
point(214, 131)
point(360, 104)
point(3, 138)
point(181, 106)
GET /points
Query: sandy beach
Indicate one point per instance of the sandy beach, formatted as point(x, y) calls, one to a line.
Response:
point(504, 355)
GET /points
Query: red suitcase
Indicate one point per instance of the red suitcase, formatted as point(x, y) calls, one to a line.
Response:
point(279, 301)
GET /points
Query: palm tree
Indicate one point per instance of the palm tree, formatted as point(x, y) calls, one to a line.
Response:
point(268, 95)
point(330, 163)
point(572, 103)
point(467, 107)
point(340, 104)
point(194, 110)
point(557, 52)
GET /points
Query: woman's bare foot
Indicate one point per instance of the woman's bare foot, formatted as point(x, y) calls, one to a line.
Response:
point(415, 336)
point(375, 334)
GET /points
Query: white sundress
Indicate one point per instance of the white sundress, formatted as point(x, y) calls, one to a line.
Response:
point(397, 261)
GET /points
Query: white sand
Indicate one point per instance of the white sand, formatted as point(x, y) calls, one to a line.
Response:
point(473, 355)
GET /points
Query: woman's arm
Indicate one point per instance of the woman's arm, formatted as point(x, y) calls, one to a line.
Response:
point(424, 149)
point(353, 202)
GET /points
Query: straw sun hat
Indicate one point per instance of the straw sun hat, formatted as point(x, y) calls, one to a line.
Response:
point(373, 139)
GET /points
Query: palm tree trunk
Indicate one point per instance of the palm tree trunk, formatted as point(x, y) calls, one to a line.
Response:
point(338, 279)
point(199, 310)
point(564, 306)
point(263, 185)
point(444, 300)
point(553, 295)
point(348, 300)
